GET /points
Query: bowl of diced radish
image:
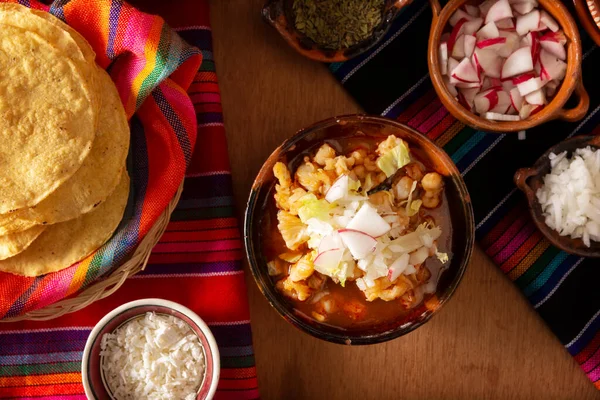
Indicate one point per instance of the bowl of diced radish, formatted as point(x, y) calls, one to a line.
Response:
point(506, 65)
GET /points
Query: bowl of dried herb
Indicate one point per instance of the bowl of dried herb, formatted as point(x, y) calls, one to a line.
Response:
point(332, 30)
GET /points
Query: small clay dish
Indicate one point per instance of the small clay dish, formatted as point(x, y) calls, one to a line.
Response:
point(280, 15)
point(529, 180)
point(589, 16)
point(259, 220)
point(553, 110)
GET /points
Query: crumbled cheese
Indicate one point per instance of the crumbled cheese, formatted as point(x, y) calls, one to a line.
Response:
point(154, 357)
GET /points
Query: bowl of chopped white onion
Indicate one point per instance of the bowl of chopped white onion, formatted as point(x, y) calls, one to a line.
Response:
point(563, 191)
point(150, 349)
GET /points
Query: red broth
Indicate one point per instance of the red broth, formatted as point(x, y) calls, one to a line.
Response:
point(351, 309)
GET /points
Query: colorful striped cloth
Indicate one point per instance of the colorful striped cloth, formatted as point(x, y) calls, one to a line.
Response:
point(197, 262)
point(393, 80)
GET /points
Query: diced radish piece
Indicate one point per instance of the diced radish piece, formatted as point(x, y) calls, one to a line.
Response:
point(490, 43)
point(488, 31)
point(465, 85)
point(551, 87)
point(528, 22)
point(537, 98)
point(443, 54)
point(465, 72)
point(456, 32)
point(359, 243)
point(445, 36)
point(338, 190)
point(486, 100)
point(489, 62)
point(469, 45)
point(503, 102)
point(508, 85)
point(511, 110)
point(499, 10)
point(472, 10)
point(398, 267)
point(333, 241)
point(507, 24)
point(511, 44)
point(547, 20)
point(524, 7)
point(469, 96)
point(523, 78)
point(458, 50)
point(554, 43)
point(458, 15)
point(541, 27)
point(452, 64)
point(470, 27)
point(367, 220)
point(551, 67)
point(516, 100)
point(528, 110)
point(538, 68)
point(330, 259)
point(485, 7)
point(451, 88)
point(530, 86)
point(501, 117)
point(496, 82)
point(519, 62)
point(535, 46)
point(486, 83)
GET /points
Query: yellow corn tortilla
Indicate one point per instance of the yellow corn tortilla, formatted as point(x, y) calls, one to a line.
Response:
point(66, 243)
point(46, 119)
point(14, 243)
point(95, 180)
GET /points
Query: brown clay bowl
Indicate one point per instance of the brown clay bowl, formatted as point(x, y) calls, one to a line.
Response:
point(279, 14)
point(258, 221)
point(589, 16)
point(553, 110)
point(529, 180)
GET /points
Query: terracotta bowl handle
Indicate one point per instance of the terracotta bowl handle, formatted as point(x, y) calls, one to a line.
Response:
point(521, 177)
point(576, 113)
point(436, 9)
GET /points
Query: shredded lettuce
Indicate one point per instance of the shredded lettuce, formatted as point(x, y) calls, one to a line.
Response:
point(353, 185)
point(314, 208)
point(443, 257)
point(394, 159)
point(412, 207)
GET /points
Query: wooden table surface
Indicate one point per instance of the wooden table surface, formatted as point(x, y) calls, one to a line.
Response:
point(487, 342)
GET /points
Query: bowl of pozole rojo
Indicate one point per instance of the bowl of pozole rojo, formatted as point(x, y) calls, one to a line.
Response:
point(358, 229)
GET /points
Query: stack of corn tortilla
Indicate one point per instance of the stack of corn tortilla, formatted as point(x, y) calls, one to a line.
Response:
point(64, 140)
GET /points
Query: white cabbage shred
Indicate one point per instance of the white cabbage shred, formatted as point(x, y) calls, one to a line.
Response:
point(153, 357)
point(570, 196)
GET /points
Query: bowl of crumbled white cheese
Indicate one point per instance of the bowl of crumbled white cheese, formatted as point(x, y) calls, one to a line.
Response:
point(151, 349)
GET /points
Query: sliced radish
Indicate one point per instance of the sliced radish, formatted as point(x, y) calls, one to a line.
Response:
point(469, 96)
point(458, 15)
point(338, 190)
point(508, 85)
point(456, 32)
point(523, 78)
point(333, 241)
point(470, 27)
point(489, 62)
point(485, 7)
point(458, 50)
point(524, 7)
point(465, 85)
point(499, 10)
point(554, 43)
point(367, 220)
point(537, 98)
point(530, 86)
point(443, 54)
point(472, 10)
point(452, 64)
point(511, 110)
point(555, 37)
point(465, 72)
point(398, 267)
point(541, 27)
point(492, 43)
point(359, 243)
point(552, 68)
point(516, 100)
point(486, 83)
point(469, 45)
point(501, 117)
point(489, 31)
point(551, 87)
point(535, 46)
point(486, 100)
point(511, 44)
point(451, 88)
point(503, 102)
point(528, 110)
point(528, 22)
point(519, 62)
point(329, 260)
point(507, 24)
point(548, 21)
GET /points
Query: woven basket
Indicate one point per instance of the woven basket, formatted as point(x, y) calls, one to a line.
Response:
point(105, 287)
